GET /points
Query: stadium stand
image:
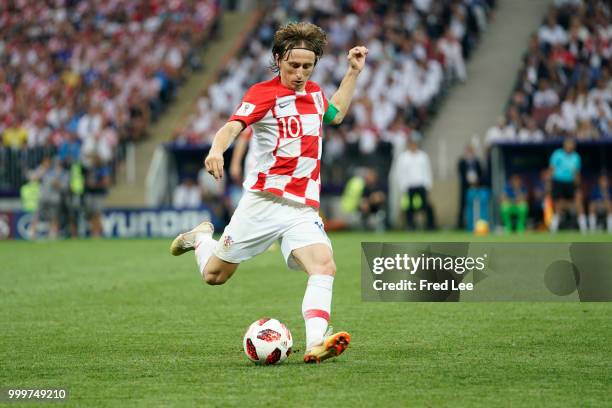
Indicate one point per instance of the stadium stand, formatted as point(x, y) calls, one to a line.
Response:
point(84, 78)
point(564, 87)
point(563, 90)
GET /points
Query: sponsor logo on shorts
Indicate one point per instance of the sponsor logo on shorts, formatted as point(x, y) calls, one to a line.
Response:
point(320, 225)
point(227, 241)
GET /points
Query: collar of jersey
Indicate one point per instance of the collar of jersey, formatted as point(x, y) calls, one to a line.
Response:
point(300, 93)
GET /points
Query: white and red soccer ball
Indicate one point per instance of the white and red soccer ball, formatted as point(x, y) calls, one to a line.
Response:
point(267, 341)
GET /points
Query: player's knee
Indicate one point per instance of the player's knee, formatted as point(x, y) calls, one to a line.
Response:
point(327, 267)
point(214, 278)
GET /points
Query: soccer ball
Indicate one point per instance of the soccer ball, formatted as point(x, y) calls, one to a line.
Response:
point(267, 341)
point(481, 228)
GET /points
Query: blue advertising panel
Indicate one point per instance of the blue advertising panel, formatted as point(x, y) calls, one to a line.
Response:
point(120, 223)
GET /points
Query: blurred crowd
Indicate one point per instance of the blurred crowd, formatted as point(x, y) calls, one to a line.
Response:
point(97, 70)
point(82, 78)
point(564, 87)
point(416, 48)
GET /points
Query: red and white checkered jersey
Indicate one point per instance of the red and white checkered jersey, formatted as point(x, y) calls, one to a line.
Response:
point(287, 133)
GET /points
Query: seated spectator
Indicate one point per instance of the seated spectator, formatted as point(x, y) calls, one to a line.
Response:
point(603, 121)
point(568, 64)
point(187, 195)
point(501, 132)
point(453, 56)
point(557, 125)
point(552, 33)
point(15, 135)
point(545, 97)
point(586, 130)
point(514, 204)
point(520, 101)
point(600, 203)
point(531, 133)
point(372, 205)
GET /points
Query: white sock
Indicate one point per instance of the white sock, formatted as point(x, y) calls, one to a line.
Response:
point(554, 223)
point(316, 308)
point(592, 222)
point(582, 223)
point(609, 223)
point(203, 250)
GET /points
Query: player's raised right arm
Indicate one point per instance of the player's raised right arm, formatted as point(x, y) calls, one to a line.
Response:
point(223, 139)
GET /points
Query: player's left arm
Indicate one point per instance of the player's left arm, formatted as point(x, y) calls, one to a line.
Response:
point(342, 98)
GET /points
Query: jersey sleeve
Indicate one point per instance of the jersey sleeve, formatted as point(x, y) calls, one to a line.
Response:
point(254, 106)
point(553, 159)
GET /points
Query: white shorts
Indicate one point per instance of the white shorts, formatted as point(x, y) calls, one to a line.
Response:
point(260, 219)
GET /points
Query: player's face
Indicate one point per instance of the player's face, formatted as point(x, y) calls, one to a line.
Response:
point(296, 68)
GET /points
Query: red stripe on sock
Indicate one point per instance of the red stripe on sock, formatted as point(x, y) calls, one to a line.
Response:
point(310, 313)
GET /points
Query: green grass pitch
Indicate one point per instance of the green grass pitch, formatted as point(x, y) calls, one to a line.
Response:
point(122, 323)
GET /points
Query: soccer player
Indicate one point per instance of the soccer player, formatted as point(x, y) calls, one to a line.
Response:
point(281, 197)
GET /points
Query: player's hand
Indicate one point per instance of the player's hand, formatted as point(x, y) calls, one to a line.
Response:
point(214, 164)
point(356, 58)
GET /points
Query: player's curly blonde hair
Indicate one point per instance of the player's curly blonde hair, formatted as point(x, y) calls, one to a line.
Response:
point(297, 35)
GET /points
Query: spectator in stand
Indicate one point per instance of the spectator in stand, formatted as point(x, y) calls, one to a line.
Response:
point(414, 166)
point(453, 56)
point(586, 130)
point(530, 133)
point(187, 195)
point(372, 205)
point(570, 54)
point(521, 102)
point(470, 175)
point(603, 120)
point(15, 135)
point(557, 125)
point(565, 166)
point(552, 33)
point(91, 67)
point(602, 91)
point(545, 97)
point(600, 203)
point(514, 204)
point(501, 132)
